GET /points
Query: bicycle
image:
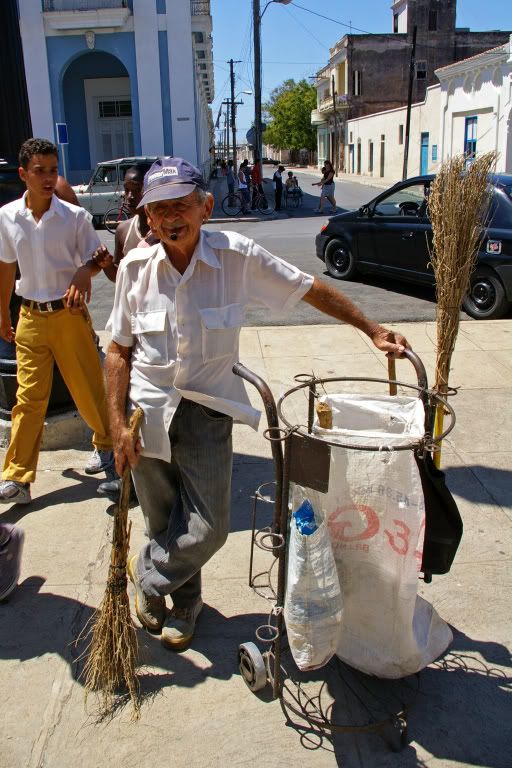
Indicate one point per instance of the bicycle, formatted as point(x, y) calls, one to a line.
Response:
point(233, 204)
point(114, 216)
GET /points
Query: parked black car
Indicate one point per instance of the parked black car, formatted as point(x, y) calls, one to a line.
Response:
point(11, 186)
point(392, 236)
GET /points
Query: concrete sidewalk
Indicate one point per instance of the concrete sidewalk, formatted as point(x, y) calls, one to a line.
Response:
point(197, 712)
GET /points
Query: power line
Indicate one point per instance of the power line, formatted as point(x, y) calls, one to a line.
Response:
point(334, 21)
point(323, 45)
point(395, 35)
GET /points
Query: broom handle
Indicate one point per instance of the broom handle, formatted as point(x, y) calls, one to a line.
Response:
point(392, 376)
point(438, 430)
point(134, 426)
point(121, 530)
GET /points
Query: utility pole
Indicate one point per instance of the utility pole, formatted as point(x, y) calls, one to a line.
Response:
point(227, 133)
point(256, 23)
point(233, 106)
point(335, 147)
point(412, 65)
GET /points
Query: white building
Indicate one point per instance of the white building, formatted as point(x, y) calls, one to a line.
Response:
point(128, 77)
point(476, 106)
point(375, 143)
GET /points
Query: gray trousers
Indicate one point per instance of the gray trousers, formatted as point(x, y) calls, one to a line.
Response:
point(186, 503)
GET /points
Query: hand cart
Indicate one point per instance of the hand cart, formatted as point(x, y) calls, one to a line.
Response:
point(303, 458)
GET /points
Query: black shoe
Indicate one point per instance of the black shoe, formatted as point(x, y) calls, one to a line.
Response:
point(112, 490)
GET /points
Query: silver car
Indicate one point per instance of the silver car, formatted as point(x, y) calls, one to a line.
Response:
point(105, 189)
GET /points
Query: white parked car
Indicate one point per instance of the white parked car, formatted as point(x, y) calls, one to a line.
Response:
point(105, 189)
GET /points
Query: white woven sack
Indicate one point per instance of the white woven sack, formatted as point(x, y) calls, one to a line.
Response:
point(374, 512)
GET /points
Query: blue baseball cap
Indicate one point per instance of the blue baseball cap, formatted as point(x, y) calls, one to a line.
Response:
point(170, 178)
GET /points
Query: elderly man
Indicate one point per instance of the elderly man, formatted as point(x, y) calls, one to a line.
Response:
point(175, 327)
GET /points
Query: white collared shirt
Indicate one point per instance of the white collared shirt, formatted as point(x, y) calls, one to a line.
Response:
point(48, 251)
point(184, 329)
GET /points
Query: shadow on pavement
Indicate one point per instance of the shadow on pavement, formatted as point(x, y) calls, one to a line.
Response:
point(493, 484)
point(35, 623)
point(71, 494)
point(457, 710)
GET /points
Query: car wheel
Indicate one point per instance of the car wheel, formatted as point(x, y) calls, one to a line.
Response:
point(339, 260)
point(486, 299)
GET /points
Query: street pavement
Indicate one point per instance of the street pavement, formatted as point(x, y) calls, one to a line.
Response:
point(197, 712)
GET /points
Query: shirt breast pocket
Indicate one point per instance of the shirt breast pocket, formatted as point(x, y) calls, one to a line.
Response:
point(220, 330)
point(151, 331)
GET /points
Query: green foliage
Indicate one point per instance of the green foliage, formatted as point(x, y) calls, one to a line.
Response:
point(288, 115)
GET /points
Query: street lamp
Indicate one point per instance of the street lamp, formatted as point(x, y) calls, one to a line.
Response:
point(257, 17)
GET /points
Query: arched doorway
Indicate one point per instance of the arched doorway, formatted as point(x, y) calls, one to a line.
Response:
point(98, 108)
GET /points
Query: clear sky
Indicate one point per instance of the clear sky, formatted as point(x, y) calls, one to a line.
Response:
point(295, 42)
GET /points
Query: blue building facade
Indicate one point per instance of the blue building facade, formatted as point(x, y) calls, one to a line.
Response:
point(127, 78)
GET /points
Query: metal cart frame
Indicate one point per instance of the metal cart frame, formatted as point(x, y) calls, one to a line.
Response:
point(300, 457)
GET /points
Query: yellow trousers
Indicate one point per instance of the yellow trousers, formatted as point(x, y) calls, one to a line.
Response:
point(41, 339)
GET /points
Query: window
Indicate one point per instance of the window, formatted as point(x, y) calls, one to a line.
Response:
point(401, 133)
point(410, 201)
point(395, 23)
point(351, 139)
point(434, 153)
point(198, 37)
point(115, 108)
point(421, 70)
point(106, 174)
point(201, 54)
point(432, 21)
point(357, 82)
point(470, 138)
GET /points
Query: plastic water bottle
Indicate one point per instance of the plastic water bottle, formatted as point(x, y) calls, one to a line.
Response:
point(305, 518)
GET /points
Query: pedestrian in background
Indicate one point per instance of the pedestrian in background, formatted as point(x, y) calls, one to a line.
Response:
point(243, 186)
point(326, 185)
point(257, 178)
point(230, 178)
point(277, 180)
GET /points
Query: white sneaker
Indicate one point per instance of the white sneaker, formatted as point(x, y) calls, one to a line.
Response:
point(13, 492)
point(98, 461)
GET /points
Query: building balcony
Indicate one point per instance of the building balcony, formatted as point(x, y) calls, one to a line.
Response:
point(200, 7)
point(82, 15)
point(318, 117)
point(339, 47)
point(82, 5)
point(326, 105)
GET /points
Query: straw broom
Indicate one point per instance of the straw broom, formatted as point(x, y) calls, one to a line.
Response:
point(458, 204)
point(113, 650)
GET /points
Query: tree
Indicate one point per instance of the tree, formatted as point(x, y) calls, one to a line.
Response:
point(288, 114)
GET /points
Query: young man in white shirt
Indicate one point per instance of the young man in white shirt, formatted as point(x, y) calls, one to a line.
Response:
point(52, 242)
point(175, 327)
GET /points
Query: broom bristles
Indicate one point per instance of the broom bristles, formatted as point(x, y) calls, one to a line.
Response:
point(458, 204)
point(112, 651)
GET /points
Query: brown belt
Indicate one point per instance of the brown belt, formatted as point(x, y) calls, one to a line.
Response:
point(44, 306)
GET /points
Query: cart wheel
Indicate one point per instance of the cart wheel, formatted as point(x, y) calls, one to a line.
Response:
point(252, 666)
